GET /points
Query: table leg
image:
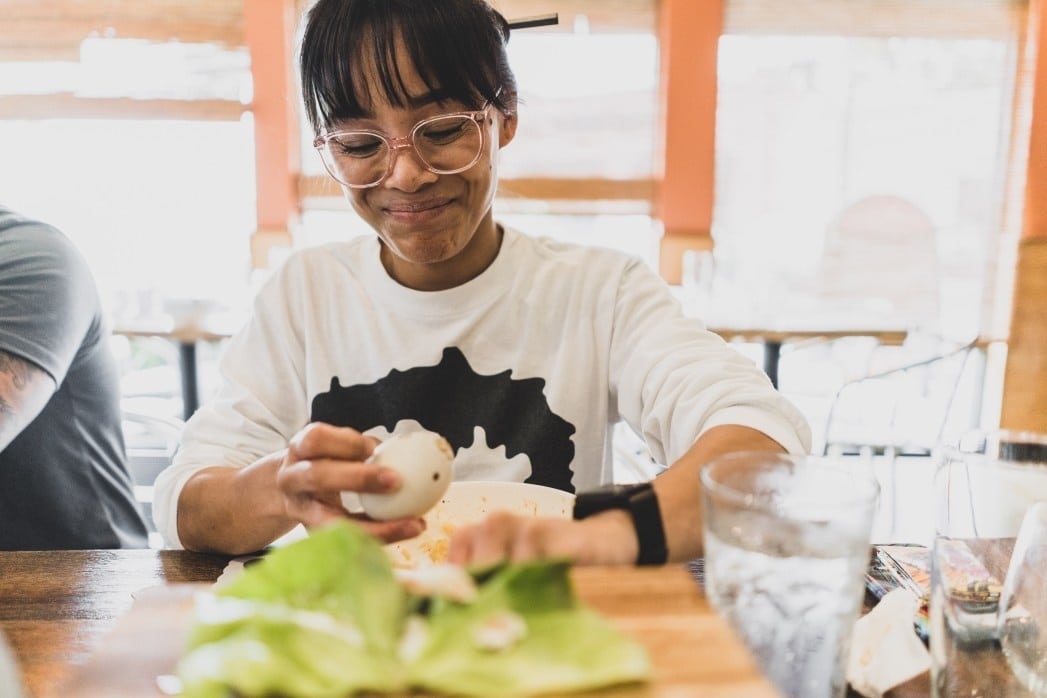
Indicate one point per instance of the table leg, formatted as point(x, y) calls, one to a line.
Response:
point(190, 391)
point(772, 353)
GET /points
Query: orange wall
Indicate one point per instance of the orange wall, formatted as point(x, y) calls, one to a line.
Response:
point(269, 30)
point(690, 32)
point(1024, 399)
point(1034, 221)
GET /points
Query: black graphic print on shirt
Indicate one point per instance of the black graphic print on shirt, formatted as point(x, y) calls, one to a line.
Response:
point(451, 399)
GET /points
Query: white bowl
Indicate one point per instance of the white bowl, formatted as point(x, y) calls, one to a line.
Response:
point(470, 501)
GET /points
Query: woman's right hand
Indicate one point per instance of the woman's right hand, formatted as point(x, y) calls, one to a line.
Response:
point(321, 462)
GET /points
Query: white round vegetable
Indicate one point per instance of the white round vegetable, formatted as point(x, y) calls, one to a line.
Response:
point(423, 459)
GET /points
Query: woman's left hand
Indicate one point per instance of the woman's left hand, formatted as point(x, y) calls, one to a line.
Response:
point(605, 539)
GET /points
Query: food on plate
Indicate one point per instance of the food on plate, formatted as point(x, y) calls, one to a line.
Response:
point(325, 617)
point(445, 581)
point(499, 631)
point(467, 502)
point(423, 459)
point(437, 551)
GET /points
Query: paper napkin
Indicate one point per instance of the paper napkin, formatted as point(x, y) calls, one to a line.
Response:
point(885, 650)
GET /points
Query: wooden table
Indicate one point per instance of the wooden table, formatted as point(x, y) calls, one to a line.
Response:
point(56, 606)
point(773, 338)
point(60, 612)
point(187, 336)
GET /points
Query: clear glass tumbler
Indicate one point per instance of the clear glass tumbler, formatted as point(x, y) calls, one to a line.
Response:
point(979, 594)
point(786, 549)
point(1023, 603)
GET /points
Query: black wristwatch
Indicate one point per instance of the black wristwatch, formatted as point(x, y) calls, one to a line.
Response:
point(642, 504)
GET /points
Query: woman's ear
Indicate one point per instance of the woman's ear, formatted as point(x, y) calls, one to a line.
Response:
point(508, 129)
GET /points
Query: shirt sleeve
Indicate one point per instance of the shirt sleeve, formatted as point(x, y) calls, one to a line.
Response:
point(674, 380)
point(261, 404)
point(48, 300)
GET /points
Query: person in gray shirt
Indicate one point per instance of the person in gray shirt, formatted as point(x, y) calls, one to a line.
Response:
point(64, 482)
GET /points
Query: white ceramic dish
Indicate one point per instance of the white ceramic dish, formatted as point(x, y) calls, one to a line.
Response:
point(470, 501)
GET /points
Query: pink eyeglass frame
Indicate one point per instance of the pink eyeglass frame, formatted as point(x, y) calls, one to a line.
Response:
point(396, 143)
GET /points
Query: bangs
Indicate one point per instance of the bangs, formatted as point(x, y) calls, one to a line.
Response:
point(348, 57)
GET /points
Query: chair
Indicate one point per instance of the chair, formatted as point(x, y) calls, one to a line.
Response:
point(905, 411)
point(150, 442)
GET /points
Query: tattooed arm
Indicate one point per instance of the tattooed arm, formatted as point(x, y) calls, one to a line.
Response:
point(24, 390)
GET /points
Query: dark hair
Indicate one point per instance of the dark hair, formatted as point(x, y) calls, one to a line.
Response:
point(457, 47)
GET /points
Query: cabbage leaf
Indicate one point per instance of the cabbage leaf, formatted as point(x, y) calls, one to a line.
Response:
point(325, 617)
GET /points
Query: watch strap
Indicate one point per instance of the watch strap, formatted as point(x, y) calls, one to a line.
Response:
point(641, 502)
point(601, 499)
point(647, 519)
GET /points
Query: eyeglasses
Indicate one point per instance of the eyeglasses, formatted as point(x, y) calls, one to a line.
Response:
point(445, 144)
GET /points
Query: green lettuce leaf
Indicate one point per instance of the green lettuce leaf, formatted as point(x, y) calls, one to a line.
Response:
point(565, 646)
point(261, 649)
point(325, 618)
point(339, 570)
point(264, 633)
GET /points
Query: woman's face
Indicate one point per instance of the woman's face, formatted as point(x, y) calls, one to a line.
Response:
point(437, 230)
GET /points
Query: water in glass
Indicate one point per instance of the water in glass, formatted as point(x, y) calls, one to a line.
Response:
point(787, 572)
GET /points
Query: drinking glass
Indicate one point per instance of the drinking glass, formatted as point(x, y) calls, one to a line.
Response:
point(981, 497)
point(786, 549)
point(1023, 603)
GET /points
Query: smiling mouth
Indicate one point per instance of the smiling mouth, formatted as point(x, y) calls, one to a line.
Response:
point(417, 207)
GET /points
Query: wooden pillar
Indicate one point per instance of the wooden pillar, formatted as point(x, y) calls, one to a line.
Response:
point(1024, 403)
point(269, 27)
point(689, 32)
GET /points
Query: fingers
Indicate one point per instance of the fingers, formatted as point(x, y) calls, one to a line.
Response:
point(334, 475)
point(605, 539)
point(502, 536)
point(392, 531)
point(322, 458)
point(323, 461)
point(315, 512)
point(319, 440)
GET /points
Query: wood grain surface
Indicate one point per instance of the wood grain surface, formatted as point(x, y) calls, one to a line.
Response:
point(57, 606)
point(106, 623)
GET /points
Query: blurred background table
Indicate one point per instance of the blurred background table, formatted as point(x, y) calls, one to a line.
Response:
point(187, 334)
point(774, 336)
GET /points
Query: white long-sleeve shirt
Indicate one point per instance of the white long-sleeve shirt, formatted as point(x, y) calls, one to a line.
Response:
point(524, 369)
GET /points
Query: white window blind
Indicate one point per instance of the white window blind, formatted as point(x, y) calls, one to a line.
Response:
point(124, 123)
point(943, 19)
point(862, 153)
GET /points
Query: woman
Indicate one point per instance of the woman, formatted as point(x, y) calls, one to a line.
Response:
point(522, 351)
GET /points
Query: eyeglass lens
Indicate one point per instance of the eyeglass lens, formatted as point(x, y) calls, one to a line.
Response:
point(445, 145)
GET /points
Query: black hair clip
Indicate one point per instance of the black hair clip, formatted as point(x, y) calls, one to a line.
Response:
point(538, 21)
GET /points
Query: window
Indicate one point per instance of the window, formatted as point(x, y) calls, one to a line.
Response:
point(127, 128)
point(895, 132)
point(588, 105)
point(141, 152)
